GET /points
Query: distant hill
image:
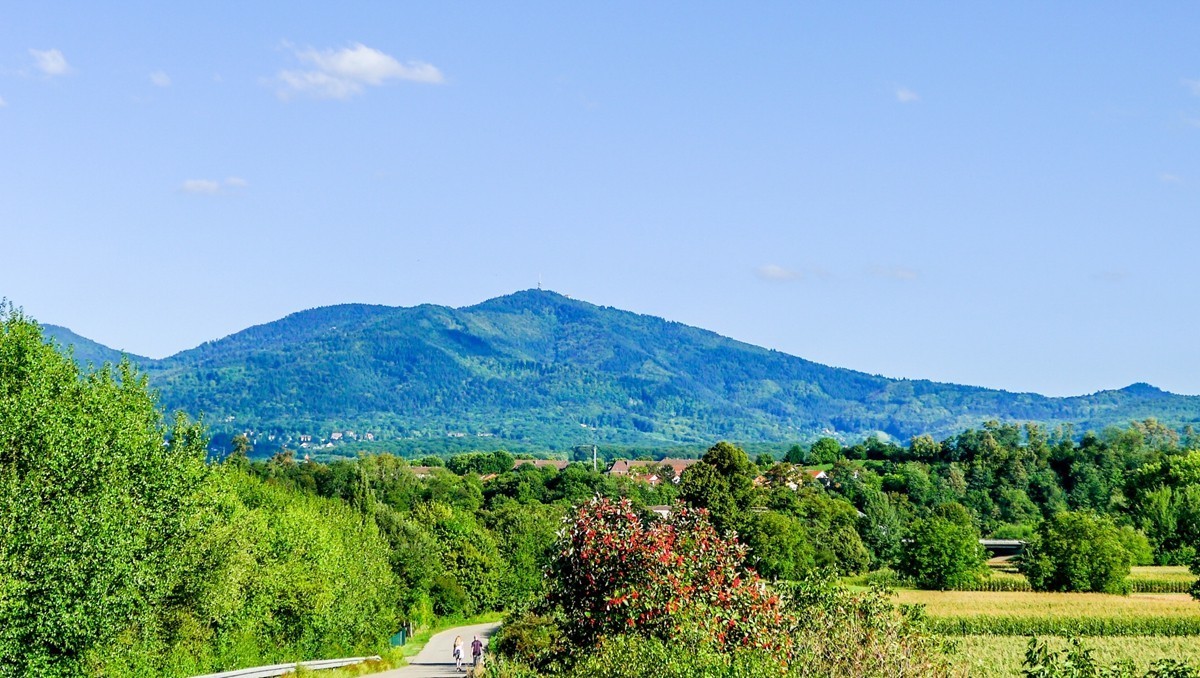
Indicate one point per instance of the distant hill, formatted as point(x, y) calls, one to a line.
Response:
point(545, 370)
point(85, 350)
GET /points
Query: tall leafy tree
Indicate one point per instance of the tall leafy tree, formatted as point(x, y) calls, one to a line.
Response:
point(942, 551)
point(99, 506)
point(1077, 551)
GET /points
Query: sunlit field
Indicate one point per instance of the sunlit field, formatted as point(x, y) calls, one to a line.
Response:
point(995, 656)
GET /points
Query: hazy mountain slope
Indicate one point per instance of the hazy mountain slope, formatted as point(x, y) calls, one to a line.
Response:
point(537, 366)
point(85, 350)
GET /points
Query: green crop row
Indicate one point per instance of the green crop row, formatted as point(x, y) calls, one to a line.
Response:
point(1159, 585)
point(997, 584)
point(982, 625)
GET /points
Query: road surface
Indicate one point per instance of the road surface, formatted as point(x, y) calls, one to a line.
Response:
point(435, 660)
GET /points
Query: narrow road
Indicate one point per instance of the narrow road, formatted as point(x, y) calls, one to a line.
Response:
point(435, 660)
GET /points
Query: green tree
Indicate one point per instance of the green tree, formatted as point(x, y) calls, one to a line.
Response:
point(723, 483)
point(100, 506)
point(1077, 551)
point(942, 551)
point(825, 451)
point(779, 545)
point(795, 455)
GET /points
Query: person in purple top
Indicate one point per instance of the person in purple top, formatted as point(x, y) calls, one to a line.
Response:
point(476, 651)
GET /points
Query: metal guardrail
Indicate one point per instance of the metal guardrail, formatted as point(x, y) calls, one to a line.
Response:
point(281, 669)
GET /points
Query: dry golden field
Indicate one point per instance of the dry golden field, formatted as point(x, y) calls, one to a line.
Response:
point(1029, 604)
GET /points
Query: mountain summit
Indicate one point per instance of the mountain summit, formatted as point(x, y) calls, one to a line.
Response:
point(545, 369)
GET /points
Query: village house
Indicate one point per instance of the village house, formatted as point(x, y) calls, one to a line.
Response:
point(648, 470)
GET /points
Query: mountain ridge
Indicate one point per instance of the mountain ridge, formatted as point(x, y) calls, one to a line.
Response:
point(541, 368)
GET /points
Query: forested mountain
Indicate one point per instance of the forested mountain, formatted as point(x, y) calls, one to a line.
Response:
point(541, 368)
point(85, 350)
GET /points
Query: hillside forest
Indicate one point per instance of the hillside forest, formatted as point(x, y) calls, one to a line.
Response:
point(536, 371)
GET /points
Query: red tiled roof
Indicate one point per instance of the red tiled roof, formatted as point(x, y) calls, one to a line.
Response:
point(622, 467)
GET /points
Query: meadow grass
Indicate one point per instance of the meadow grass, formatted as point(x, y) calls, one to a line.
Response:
point(997, 656)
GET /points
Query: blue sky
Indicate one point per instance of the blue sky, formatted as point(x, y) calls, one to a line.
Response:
point(996, 194)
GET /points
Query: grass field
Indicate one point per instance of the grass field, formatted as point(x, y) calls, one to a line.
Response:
point(1001, 656)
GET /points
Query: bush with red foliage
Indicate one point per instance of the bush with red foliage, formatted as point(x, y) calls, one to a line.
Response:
point(617, 573)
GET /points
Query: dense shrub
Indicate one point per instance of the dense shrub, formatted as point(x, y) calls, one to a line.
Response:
point(615, 573)
point(1077, 551)
point(528, 638)
point(99, 516)
point(122, 554)
point(629, 656)
point(943, 551)
point(845, 634)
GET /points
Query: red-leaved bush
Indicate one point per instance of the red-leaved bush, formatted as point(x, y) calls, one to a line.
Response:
point(615, 573)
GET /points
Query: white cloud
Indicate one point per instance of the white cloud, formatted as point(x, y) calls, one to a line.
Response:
point(211, 186)
point(906, 96)
point(160, 79)
point(3, 103)
point(343, 73)
point(901, 273)
point(50, 61)
point(1168, 178)
point(1193, 85)
point(200, 186)
point(777, 273)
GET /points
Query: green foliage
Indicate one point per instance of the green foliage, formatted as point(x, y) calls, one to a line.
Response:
point(1194, 589)
point(529, 638)
point(122, 554)
point(1136, 545)
point(630, 656)
point(779, 545)
point(100, 507)
point(825, 451)
point(1077, 551)
point(615, 573)
point(723, 483)
point(845, 635)
point(943, 551)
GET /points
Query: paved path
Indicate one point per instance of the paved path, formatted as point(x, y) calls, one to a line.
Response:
point(435, 660)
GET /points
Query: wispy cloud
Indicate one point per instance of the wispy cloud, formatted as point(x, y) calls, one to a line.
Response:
point(212, 187)
point(1192, 85)
point(200, 186)
point(50, 62)
point(3, 103)
point(1111, 276)
point(1168, 178)
point(901, 273)
point(346, 72)
point(906, 96)
point(160, 79)
point(777, 273)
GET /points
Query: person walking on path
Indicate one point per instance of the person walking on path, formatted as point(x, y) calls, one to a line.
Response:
point(476, 651)
point(458, 653)
point(435, 660)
